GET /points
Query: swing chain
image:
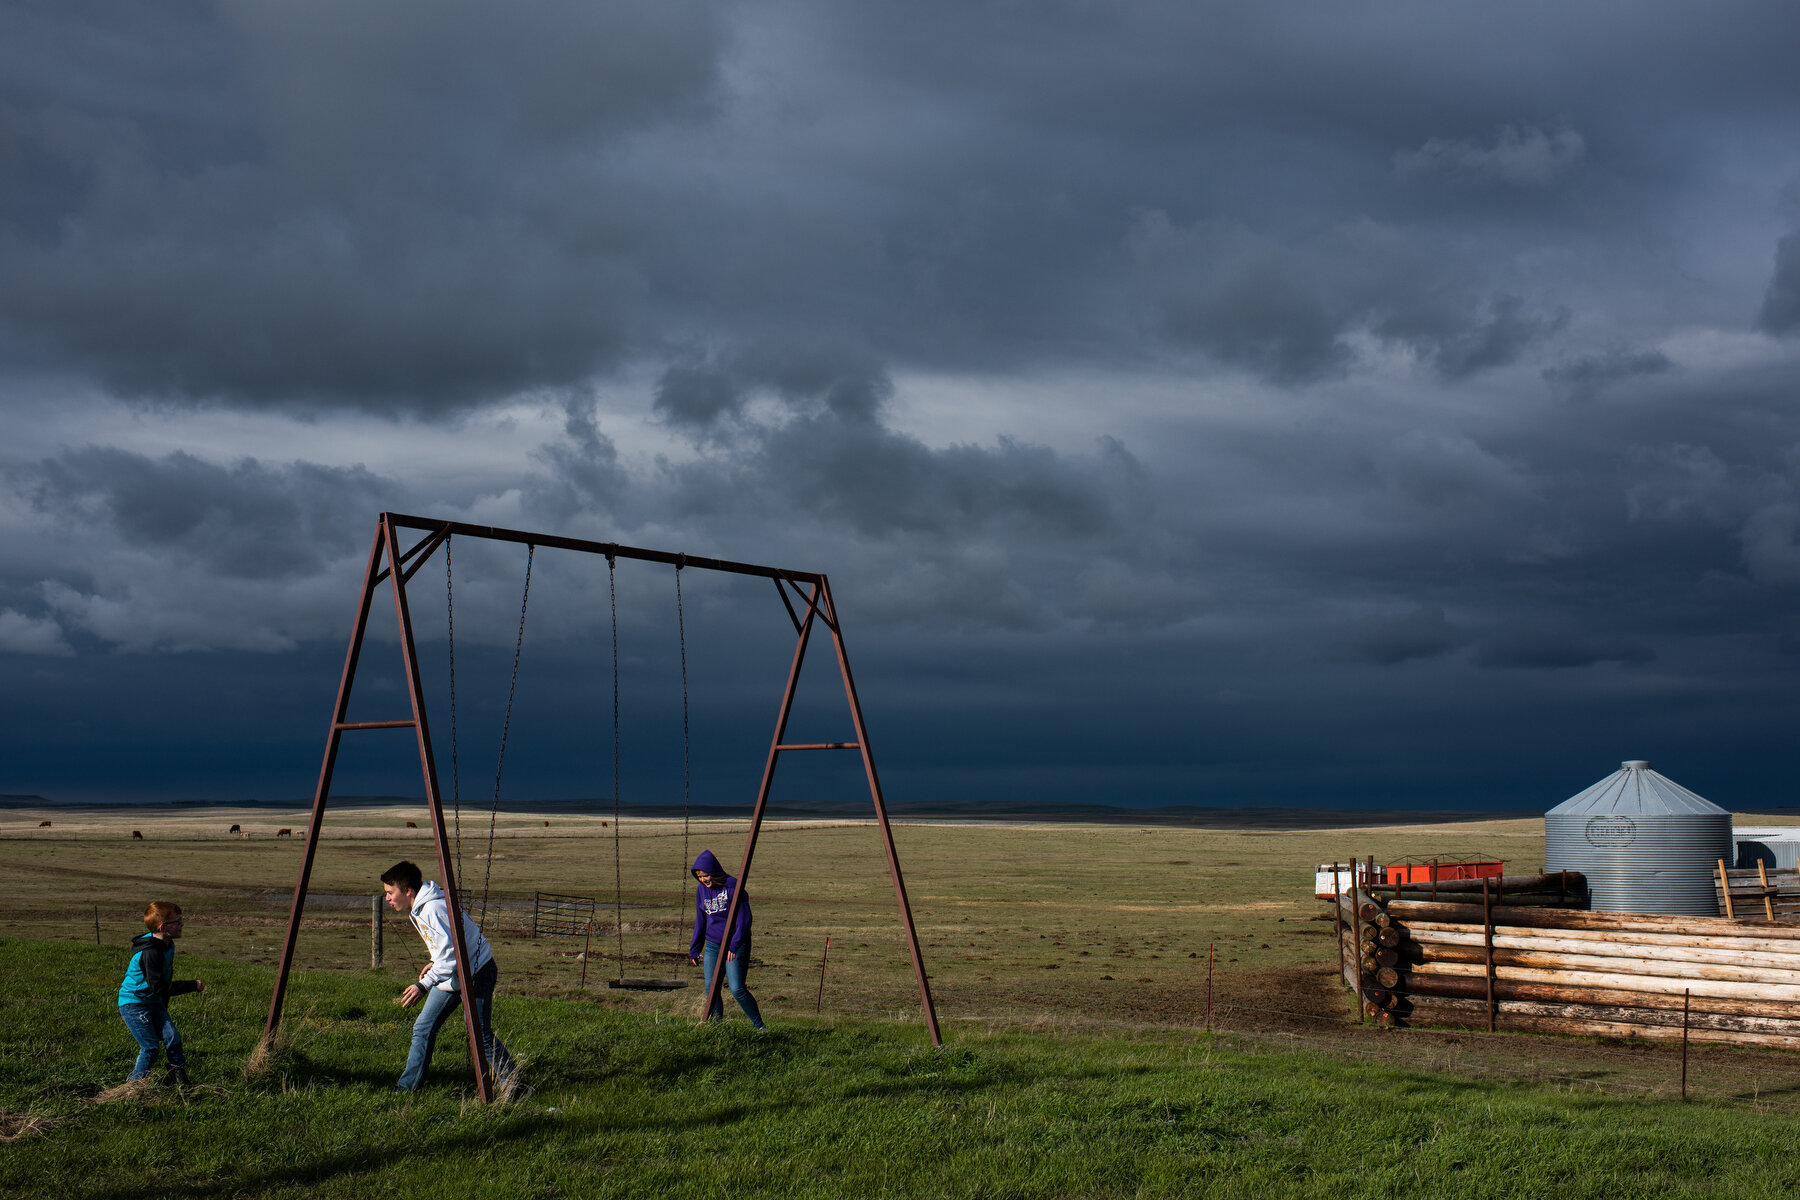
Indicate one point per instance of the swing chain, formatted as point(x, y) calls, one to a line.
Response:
point(455, 762)
point(612, 593)
point(686, 769)
point(505, 729)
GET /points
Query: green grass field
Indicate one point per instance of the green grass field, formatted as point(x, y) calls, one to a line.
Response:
point(1074, 1063)
point(630, 1104)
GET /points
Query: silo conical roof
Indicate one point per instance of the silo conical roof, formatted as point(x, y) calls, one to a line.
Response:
point(1635, 790)
point(1645, 843)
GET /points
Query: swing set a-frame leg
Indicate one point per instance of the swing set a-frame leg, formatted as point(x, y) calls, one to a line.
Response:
point(385, 543)
point(819, 606)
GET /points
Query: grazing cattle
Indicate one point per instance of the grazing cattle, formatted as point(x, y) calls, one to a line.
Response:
point(43, 824)
point(546, 824)
point(235, 829)
point(244, 833)
point(415, 825)
point(290, 833)
point(138, 834)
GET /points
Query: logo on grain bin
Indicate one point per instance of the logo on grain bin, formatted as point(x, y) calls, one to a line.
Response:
point(1611, 831)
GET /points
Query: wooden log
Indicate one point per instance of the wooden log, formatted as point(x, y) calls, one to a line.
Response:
point(1550, 899)
point(1442, 931)
point(1473, 988)
point(1692, 950)
point(1469, 1014)
point(1364, 908)
point(1386, 978)
point(1390, 936)
point(1406, 912)
point(1665, 984)
point(1661, 966)
point(1620, 1015)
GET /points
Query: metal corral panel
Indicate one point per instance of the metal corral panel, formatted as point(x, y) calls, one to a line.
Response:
point(1645, 843)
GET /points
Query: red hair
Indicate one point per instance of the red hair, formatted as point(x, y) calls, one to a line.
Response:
point(159, 912)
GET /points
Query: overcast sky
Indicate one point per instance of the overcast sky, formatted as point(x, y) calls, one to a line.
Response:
point(1367, 404)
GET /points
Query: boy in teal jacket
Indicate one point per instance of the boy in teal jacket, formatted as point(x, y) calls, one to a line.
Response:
point(149, 982)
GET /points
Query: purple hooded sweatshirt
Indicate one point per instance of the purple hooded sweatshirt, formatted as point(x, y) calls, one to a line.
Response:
point(710, 904)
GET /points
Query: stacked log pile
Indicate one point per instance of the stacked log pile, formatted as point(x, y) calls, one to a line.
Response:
point(1532, 965)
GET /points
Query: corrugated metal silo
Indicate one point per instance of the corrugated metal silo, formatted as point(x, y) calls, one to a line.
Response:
point(1645, 843)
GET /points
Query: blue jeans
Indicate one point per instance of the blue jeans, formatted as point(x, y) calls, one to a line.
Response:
point(440, 1006)
point(735, 971)
point(150, 1025)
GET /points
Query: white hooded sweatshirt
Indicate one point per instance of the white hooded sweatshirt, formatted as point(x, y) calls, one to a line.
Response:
point(431, 917)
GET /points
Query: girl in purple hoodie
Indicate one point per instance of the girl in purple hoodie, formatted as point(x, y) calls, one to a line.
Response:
point(712, 898)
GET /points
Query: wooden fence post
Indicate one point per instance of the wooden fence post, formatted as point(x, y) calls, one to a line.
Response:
point(1337, 915)
point(1686, 999)
point(374, 931)
point(1356, 930)
point(1487, 904)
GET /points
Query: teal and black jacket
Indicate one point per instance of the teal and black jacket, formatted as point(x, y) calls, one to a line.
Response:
point(150, 977)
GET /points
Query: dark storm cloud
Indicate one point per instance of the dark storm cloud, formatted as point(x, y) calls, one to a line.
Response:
point(424, 207)
point(247, 520)
point(1287, 311)
point(1190, 374)
point(342, 204)
point(792, 447)
point(828, 454)
point(1585, 376)
point(1388, 639)
point(1780, 312)
point(1549, 649)
point(584, 474)
point(1528, 157)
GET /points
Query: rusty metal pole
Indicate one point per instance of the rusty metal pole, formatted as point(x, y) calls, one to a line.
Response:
point(586, 941)
point(887, 833)
point(819, 1004)
point(374, 932)
point(484, 1075)
point(332, 740)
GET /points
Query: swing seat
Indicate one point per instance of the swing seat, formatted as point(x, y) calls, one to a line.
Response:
point(646, 985)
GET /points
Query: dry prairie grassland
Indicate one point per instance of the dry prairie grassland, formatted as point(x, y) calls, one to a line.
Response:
point(1085, 922)
point(1047, 926)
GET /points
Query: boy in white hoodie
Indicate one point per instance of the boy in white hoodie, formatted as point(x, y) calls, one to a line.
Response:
point(406, 891)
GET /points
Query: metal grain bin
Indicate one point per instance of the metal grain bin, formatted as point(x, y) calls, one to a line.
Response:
point(1645, 843)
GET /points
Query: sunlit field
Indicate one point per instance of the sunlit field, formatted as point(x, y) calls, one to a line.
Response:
point(1069, 965)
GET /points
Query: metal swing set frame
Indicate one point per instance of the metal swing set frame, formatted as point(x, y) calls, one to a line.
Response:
point(806, 595)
